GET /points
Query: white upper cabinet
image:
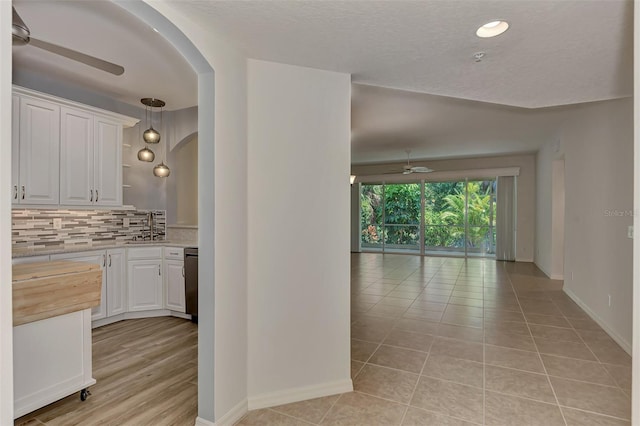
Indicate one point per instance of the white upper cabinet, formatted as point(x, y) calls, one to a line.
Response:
point(90, 159)
point(107, 175)
point(64, 152)
point(15, 148)
point(39, 149)
point(76, 157)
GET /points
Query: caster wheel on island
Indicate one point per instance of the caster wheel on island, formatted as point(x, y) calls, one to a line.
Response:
point(84, 393)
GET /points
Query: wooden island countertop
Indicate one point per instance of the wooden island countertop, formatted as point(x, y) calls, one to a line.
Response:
point(47, 289)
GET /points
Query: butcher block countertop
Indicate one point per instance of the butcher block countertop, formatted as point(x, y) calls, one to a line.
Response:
point(43, 290)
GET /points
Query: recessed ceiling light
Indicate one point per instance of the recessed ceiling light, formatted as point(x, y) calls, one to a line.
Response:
point(492, 29)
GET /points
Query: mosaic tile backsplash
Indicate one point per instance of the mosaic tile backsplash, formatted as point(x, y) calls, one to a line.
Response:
point(34, 227)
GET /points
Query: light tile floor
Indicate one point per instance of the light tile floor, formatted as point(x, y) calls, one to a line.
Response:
point(442, 341)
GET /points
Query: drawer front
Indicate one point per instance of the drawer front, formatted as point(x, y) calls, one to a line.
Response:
point(144, 253)
point(176, 253)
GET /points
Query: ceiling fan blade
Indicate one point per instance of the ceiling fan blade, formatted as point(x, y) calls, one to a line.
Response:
point(407, 172)
point(421, 169)
point(19, 30)
point(92, 61)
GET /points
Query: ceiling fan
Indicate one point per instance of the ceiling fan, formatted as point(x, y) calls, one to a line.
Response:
point(22, 36)
point(408, 168)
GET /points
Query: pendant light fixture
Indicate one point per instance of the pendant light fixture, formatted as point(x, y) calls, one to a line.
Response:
point(151, 135)
point(145, 154)
point(161, 170)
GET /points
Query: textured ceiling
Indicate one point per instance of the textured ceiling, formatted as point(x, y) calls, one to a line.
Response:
point(555, 52)
point(153, 68)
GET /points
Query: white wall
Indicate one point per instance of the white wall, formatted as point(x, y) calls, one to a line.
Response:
point(526, 181)
point(182, 185)
point(597, 145)
point(299, 155)
point(557, 219)
point(6, 315)
point(544, 173)
point(228, 214)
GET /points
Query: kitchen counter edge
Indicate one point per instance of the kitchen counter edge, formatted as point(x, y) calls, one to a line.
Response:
point(76, 248)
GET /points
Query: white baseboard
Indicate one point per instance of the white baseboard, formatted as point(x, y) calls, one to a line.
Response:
point(559, 277)
point(615, 336)
point(229, 418)
point(137, 315)
point(529, 260)
point(202, 422)
point(299, 394)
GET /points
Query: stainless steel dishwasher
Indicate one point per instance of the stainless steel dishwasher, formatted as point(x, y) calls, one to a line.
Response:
point(191, 281)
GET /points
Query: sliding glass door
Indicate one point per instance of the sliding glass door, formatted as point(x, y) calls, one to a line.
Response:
point(372, 217)
point(402, 218)
point(481, 218)
point(455, 218)
point(444, 218)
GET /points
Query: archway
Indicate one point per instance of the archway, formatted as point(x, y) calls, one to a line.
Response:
point(206, 83)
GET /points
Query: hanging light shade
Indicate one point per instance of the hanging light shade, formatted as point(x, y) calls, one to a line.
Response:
point(161, 170)
point(151, 135)
point(145, 154)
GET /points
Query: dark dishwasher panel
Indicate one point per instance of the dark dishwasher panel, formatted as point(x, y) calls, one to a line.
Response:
point(191, 281)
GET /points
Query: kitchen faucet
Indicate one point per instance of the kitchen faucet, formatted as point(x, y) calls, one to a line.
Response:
point(150, 219)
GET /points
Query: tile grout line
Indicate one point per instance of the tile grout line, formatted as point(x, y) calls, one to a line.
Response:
point(539, 356)
point(584, 342)
point(332, 405)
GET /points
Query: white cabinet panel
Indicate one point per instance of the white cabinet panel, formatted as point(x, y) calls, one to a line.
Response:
point(108, 162)
point(15, 148)
point(116, 282)
point(51, 359)
point(76, 157)
point(144, 280)
point(174, 285)
point(39, 152)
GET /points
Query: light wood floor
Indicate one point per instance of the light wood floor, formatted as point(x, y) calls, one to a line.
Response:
point(146, 372)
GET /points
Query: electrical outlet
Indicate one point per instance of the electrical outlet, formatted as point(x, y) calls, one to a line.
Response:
point(571, 275)
point(609, 300)
point(630, 232)
point(57, 223)
point(125, 222)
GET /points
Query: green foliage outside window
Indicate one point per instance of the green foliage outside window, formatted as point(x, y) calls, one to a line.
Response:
point(444, 214)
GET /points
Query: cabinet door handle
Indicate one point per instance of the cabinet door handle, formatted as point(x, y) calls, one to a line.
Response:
point(96, 195)
point(109, 261)
point(104, 260)
point(183, 272)
point(158, 269)
point(91, 192)
point(15, 192)
point(23, 191)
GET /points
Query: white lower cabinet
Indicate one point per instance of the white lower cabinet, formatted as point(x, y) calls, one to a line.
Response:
point(174, 295)
point(144, 278)
point(174, 288)
point(114, 290)
point(134, 279)
point(116, 282)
